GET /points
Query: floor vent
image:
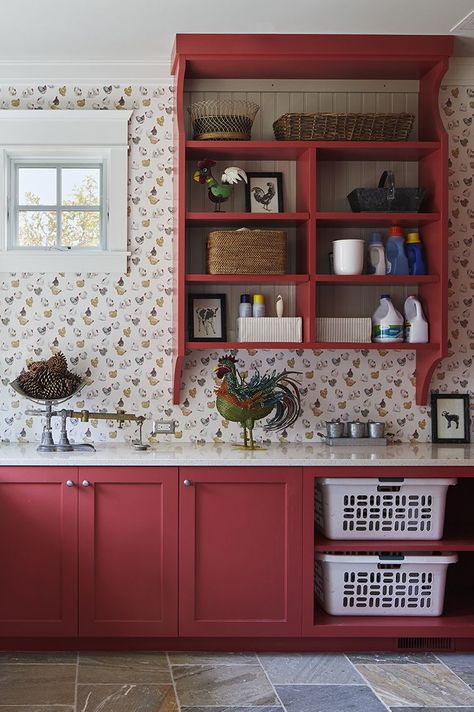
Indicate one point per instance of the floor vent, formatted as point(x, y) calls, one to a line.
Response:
point(425, 644)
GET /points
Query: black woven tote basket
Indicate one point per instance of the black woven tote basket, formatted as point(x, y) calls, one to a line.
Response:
point(405, 200)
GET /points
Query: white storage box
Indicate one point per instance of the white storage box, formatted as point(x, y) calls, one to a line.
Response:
point(383, 508)
point(381, 584)
point(269, 328)
point(353, 329)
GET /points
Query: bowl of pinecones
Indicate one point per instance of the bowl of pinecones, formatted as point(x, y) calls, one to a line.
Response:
point(48, 380)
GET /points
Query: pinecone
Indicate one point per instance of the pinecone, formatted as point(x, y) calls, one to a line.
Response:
point(56, 389)
point(49, 380)
point(57, 363)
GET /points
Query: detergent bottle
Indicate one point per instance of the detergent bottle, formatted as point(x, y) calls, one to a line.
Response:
point(415, 254)
point(397, 262)
point(416, 326)
point(387, 322)
point(376, 254)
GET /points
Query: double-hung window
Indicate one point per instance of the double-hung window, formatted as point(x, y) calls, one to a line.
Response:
point(63, 176)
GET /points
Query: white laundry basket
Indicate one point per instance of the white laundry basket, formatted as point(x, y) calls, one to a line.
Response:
point(375, 584)
point(381, 508)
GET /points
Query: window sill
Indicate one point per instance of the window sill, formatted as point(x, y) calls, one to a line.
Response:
point(70, 261)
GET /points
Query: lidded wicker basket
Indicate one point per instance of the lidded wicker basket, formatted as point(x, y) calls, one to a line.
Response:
point(223, 119)
point(343, 127)
point(246, 252)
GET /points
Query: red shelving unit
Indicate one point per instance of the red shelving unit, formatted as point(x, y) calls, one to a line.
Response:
point(454, 629)
point(213, 58)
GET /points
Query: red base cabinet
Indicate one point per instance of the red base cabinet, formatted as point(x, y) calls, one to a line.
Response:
point(89, 557)
point(240, 551)
point(38, 552)
point(128, 527)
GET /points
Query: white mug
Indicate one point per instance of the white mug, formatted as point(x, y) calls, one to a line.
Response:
point(348, 256)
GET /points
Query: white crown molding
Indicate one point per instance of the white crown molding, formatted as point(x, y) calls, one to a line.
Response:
point(461, 71)
point(115, 71)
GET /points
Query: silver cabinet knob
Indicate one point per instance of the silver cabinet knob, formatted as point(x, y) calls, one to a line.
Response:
point(86, 483)
point(69, 483)
point(187, 483)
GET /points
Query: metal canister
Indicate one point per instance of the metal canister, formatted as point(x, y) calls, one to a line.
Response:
point(335, 429)
point(357, 429)
point(376, 430)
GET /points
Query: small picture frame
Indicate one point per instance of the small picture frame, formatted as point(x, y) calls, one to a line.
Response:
point(264, 193)
point(207, 317)
point(450, 418)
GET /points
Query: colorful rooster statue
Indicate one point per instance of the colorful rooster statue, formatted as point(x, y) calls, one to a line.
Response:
point(218, 192)
point(244, 402)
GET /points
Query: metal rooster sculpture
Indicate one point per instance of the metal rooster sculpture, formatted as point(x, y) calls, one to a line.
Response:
point(218, 192)
point(245, 402)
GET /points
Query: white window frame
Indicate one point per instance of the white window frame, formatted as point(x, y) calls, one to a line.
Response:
point(67, 137)
point(15, 208)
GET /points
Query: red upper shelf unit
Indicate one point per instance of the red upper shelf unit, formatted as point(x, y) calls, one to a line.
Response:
point(246, 58)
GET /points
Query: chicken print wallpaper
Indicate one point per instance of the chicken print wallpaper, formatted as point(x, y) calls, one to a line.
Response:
point(116, 331)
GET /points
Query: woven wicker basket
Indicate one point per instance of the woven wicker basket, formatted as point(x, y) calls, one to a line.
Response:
point(246, 252)
point(222, 119)
point(343, 127)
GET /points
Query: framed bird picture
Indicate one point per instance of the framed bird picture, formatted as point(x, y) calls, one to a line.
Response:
point(264, 193)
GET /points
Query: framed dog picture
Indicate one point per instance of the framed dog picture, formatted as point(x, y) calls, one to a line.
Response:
point(450, 418)
point(206, 317)
point(264, 193)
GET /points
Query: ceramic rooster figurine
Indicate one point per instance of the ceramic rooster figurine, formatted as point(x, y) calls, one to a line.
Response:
point(218, 192)
point(245, 402)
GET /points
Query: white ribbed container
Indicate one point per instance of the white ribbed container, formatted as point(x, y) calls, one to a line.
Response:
point(384, 508)
point(381, 584)
point(354, 329)
point(271, 329)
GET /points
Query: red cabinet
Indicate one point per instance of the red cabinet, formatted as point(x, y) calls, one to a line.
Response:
point(240, 551)
point(109, 533)
point(128, 529)
point(38, 551)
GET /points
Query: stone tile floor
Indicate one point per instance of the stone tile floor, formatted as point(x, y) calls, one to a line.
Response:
point(236, 682)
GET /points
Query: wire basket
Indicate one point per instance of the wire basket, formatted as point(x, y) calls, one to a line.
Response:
point(223, 119)
point(343, 127)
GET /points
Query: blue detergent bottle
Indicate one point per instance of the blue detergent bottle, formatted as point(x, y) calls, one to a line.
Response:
point(415, 254)
point(397, 262)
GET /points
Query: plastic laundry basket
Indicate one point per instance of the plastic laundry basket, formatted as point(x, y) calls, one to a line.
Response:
point(383, 508)
point(381, 584)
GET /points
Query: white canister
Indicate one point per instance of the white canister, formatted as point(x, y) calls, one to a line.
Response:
point(348, 256)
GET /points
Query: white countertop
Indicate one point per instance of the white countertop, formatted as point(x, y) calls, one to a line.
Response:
point(296, 454)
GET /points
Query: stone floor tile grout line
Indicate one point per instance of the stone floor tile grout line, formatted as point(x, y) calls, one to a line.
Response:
point(213, 664)
point(455, 673)
point(270, 682)
point(170, 667)
point(367, 683)
point(76, 681)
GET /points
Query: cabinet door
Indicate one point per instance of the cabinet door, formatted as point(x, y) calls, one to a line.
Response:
point(240, 551)
point(38, 551)
point(128, 528)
